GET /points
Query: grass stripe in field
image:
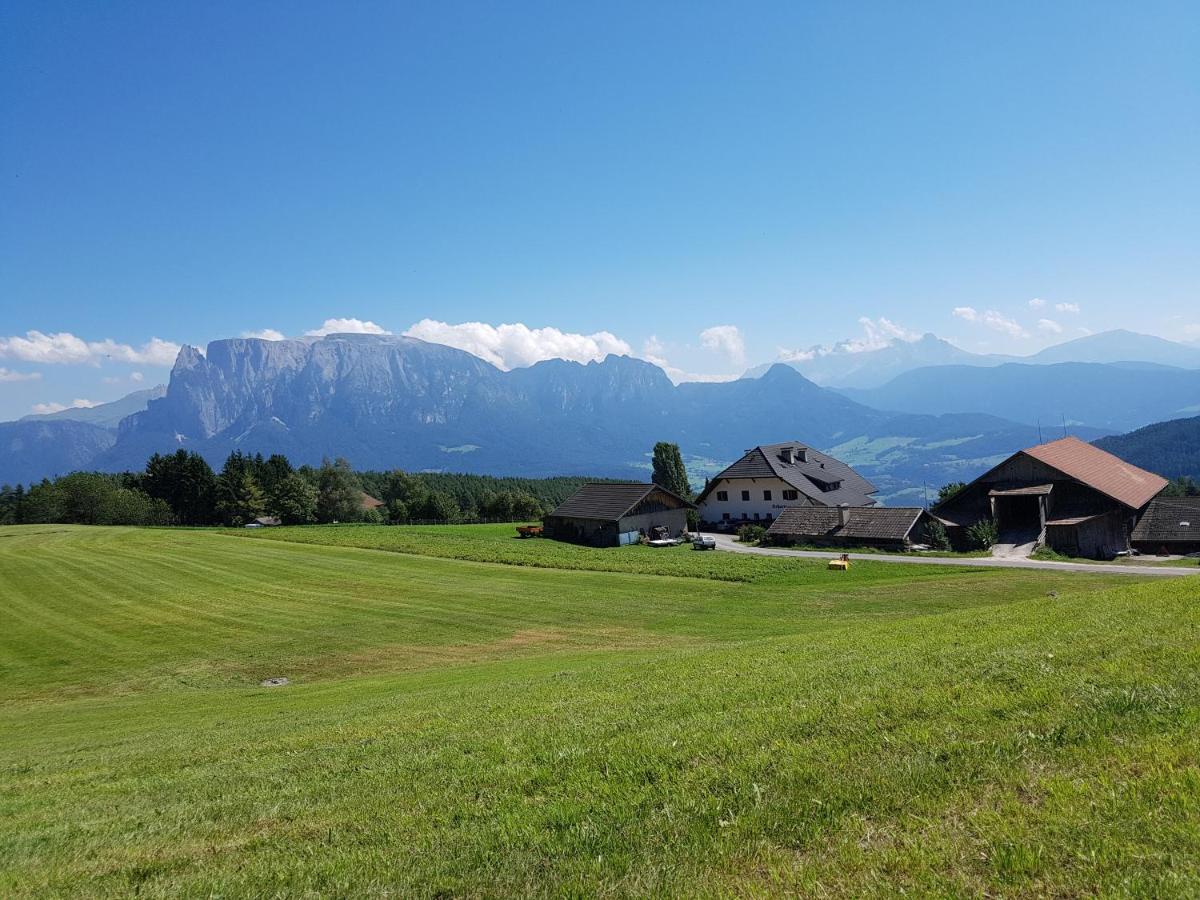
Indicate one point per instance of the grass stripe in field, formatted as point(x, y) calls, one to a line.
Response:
point(480, 728)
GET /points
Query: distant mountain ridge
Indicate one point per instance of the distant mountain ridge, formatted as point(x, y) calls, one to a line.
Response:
point(1112, 396)
point(843, 366)
point(106, 415)
point(388, 401)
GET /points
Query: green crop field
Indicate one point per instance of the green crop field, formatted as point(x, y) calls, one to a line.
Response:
point(469, 714)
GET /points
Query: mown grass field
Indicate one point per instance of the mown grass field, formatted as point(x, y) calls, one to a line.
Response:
point(476, 715)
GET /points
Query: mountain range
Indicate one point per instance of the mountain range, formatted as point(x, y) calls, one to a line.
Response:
point(386, 401)
point(845, 365)
point(1111, 396)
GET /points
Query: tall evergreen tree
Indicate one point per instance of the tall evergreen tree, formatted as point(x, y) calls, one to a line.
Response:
point(186, 482)
point(669, 470)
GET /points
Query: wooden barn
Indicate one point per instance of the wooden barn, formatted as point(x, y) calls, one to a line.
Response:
point(611, 514)
point(889, 528)
point(1067, 495)
point(1169, 525)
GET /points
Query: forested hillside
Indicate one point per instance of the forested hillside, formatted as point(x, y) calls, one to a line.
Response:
point(1172, 449)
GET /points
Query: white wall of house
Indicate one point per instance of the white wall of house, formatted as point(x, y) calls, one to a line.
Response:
point(757, 506)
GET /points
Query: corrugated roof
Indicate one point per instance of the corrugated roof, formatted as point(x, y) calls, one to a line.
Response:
point(1164, 520)
point(807, 475)
point(1100, 470)
point(864, 522)
point(609, 500)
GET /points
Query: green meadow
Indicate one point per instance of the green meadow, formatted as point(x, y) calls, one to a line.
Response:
point(471, 714)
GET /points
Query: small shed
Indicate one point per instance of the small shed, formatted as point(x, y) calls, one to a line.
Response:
point(1169, 525)
point(611, 514)
point(889, 528)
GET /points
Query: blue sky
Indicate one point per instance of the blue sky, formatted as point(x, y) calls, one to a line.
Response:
point(769, 176)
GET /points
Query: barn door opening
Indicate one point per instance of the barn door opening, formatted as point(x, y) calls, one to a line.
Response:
point(1019, 518)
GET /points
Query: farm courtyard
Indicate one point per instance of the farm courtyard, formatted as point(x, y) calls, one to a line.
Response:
point(470, 714)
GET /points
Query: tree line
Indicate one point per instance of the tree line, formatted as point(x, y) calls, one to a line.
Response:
point(181, 488)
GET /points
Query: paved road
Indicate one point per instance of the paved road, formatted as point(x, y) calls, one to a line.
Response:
point(727, 542)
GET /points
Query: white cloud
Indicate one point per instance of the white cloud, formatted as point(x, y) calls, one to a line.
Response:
point(725, 339)
point(42, 409)
point(1067, 307)
point(786, 355)
point(991, 319)
point(1049, 325)
point(513, 346)
point(270, 334)
point(1037, 303)
point(652, 352)
point(135, 377)
point(345, 326)
point(10, 375)
point(66, 349)
point(877, 334)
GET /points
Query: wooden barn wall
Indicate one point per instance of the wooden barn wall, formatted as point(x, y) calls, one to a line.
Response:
point(1100, 538)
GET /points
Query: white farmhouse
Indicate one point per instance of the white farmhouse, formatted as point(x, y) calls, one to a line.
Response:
point(773, 477)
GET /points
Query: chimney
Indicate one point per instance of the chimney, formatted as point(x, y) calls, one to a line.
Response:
point(787, 455)
point(843, 514)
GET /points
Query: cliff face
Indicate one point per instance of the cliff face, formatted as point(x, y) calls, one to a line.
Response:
point(387, 401)
point(343, 380)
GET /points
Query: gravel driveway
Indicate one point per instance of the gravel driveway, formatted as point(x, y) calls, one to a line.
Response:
point(727, 542)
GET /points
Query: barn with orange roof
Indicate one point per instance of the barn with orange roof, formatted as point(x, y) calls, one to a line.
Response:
point(1066, 495)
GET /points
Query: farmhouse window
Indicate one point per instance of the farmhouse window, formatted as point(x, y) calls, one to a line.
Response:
point(722, 495)
point(745, 495)
point(766, 495)
point(790, 495)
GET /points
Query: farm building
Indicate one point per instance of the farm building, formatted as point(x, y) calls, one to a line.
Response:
point(773, 477)
point(889, 528)
point(1066, 494)
point(1169, 525)
point(609, 514)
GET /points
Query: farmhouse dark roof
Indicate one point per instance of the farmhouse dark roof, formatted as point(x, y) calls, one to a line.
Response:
point(864, 522)
point(809, 470)
point(1100, 470)
point(610, 500)
point(1164, 520)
